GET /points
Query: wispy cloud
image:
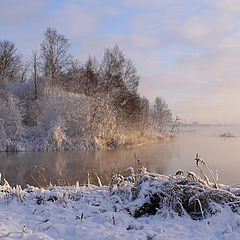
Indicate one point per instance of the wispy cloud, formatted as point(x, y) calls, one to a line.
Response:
point(186, 51)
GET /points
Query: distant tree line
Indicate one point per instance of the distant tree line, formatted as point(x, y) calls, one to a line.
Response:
point(56, 99)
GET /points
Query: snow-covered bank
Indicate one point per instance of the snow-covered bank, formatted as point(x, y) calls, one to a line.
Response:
point(112, 212)
point(43, 143)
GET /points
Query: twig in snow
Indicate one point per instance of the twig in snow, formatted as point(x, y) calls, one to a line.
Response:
point(99, 180)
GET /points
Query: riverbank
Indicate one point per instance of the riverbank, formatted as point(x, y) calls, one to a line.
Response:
point(58, 142)
point(136, 140)
point(137, 206)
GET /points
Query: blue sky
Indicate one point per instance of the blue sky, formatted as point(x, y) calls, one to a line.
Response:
point(186, 51)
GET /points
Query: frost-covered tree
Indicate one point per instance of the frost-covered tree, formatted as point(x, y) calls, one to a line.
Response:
point(55, 55)
point(3, 135)
point(75, 117)
point(10, 63)
point(144, 116)
point(24, 92)
point(161, 114)
point(102, 122)
point(35, 71)
point(69, 110)
point(10, 120)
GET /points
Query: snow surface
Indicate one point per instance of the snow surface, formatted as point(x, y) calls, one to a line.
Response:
point(75, 212)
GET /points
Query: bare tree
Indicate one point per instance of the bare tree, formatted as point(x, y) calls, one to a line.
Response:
point(10, 62)
point(175, 123)
point(24, 71)
point(83, 79)
point(120, 80)
point(144, 116)
point(55, 54)
point(162, 115)
point(90, 77)
point(118, 72)
point(35, 62)
point(71, 80)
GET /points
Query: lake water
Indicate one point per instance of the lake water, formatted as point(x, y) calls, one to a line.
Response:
point(220, 153)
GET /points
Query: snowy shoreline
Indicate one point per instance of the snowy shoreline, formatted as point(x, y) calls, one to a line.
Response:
point(82, 144)
point(109, 212)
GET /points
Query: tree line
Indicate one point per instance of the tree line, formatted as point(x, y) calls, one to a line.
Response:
point(55, 94)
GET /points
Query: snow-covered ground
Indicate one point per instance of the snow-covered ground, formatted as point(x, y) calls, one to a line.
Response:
point(90, 212)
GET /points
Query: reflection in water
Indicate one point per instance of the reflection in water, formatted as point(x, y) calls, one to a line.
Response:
point(71, 166)
point(221, 154)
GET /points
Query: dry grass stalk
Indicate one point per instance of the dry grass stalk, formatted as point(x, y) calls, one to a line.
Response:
point(184, 193)
point(41, 182)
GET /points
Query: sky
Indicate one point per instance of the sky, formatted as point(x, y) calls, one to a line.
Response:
point(186, 51)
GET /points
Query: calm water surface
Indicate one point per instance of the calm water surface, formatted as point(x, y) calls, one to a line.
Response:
point(221, 154)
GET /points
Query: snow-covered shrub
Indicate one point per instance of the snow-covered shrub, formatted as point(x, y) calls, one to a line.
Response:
point(11, 121)
point(72, 110)
point(11, 115)
point(32, 107)
point(66, 120)
point(3, 136)
point(56, 136)
point(185, 194)
point(102, 122)
point(80, 119)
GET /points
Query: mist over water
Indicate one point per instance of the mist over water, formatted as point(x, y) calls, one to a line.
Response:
point(220, 153)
